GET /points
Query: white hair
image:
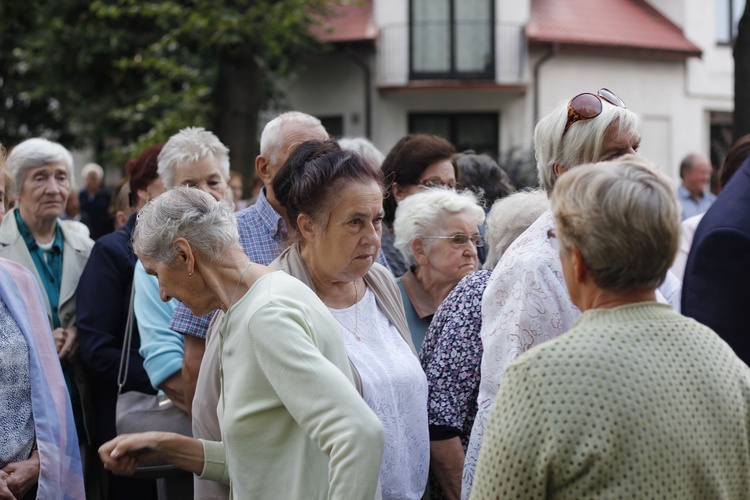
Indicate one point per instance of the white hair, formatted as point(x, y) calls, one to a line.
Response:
point(509, 217)
point(190, 145)
point(209, 226)
point(582, 143)
point(92, 167)
point(37, 152)
point(365, 148)
point(422, 214)
point(272, 138)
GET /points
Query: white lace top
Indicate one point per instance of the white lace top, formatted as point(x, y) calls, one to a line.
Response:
point(395, 388)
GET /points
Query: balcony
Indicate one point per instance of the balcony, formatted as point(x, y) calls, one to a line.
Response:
point(463, 52)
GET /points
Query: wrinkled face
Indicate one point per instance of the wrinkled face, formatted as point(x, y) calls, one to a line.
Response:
point(92, 181)
point(346, 248)
point(440, 173)
point(44, 192)
point(696, 179)
point(204, 175)
point(446, 259)
point(617, 144)
point(175, 282)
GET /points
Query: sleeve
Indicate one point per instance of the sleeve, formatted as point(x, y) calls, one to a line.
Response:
point(715, 288)
point(102, 290)
point(214, 462)
point(450, 358)
point(516, 447)
point(320, 398)
point(187, 323)
point(162, 349)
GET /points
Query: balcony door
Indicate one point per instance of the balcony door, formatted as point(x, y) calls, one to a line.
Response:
point(452, 39)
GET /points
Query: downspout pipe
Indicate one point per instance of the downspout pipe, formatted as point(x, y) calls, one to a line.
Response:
point(367, 74)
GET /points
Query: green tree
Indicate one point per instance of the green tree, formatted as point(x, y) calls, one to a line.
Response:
point(121, 75)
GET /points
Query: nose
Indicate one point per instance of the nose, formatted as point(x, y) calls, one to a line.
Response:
point(164, 296)
point(52, 187)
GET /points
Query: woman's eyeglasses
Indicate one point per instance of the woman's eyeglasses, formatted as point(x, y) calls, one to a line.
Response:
point(587, 106)
point(460, 239)
point(434, 183)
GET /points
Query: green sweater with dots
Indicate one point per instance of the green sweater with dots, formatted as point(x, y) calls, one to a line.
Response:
point(633, 402)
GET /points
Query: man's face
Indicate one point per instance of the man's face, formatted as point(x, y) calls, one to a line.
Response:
point(92, 181)
point(696, 179)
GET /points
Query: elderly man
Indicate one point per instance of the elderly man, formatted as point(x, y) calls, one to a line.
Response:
point(94, 201)
point(695, 171)
point(526, 301)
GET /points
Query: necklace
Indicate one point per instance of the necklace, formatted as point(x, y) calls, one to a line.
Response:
point(354, 332)
point(231, 302)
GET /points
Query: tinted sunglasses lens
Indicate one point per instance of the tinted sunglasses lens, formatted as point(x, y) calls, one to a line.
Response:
point(611, 98)
point(586, 105)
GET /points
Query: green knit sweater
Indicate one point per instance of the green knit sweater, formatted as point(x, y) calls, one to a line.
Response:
point(633, 402)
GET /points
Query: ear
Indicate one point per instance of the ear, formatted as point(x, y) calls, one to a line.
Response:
point(399, 192)
point(263, 169)
point(580, 271)
point(559, 169)
point(121, 217)
point(419, 250)
point(185, 255)
point(306, 227)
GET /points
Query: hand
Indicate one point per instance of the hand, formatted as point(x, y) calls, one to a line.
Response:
point(5, 493)
point(66, 342)
point(123, 454)
point(22, 475)
point(174, 388)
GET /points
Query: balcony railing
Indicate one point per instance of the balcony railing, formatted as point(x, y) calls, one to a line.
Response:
point(465, 50)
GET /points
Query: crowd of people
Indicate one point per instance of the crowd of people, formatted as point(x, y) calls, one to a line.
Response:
point(367, 326)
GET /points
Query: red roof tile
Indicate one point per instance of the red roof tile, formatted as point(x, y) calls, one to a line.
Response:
point(349, 23)
point(629, 25)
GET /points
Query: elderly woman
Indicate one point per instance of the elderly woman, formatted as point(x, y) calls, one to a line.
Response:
point(415, 162)
point(665, 405)
point(286, 386)
point(452, 349)
point(103, 306)
point(333, 203)
point(32, 236)
point(437, 231)
point(526, 301)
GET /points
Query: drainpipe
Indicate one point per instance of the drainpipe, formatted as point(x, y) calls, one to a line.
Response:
point(367, 74)
point(554, 48)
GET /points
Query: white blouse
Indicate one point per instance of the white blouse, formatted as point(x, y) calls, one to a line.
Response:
point(394, 386)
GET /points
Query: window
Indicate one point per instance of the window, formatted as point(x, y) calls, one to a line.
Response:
point(728, 14)
point(334, 125)
point(477, 131)
point(452, 39)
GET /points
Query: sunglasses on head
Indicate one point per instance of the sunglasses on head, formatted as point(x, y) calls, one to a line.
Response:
point(587, 106)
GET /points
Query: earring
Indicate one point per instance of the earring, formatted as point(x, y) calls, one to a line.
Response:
point(190, 274)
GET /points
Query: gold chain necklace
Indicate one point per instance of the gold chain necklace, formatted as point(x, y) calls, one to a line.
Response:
point(355, 332)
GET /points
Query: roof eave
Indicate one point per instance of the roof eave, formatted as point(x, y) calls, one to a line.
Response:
point(620, 50)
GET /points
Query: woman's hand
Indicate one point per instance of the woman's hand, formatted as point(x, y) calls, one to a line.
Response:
point(66, 342)
point(5, 493)
point(126, 452)
point(21, 476)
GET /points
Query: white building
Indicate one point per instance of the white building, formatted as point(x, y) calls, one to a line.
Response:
point(479, 72)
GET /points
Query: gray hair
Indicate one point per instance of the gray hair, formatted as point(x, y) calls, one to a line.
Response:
point(92, 167)
point(423, 213)
point(209, 226)
point(509, 218)
point(582, 143)
point(272, 138)
point(190, 145)
point(37, 152)
point(365, 148)
point(624, 218)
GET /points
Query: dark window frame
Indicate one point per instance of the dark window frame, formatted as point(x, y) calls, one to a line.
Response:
point(453, 73)
point(454, 117)
point(733, 23)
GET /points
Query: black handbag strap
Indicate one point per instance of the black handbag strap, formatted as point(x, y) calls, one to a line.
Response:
point(122, 373)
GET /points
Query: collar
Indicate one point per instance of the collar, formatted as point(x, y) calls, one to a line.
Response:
point(31, 243)
point(684, 194)
point(419, 297)
point(270, 217)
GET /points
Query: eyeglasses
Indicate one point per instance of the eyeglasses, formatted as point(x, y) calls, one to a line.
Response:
point(434, 183)
point(587, 106)
point(552, 237)
point(460, 239)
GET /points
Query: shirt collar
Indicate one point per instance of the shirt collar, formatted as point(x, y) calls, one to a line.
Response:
point(270, 217)
point(28, 238)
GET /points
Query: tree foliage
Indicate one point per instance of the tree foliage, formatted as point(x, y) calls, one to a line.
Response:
point(120, 75)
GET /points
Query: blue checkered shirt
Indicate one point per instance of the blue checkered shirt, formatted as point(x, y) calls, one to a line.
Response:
point(262, 234)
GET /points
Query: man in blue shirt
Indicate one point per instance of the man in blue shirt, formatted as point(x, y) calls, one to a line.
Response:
point(695, 171)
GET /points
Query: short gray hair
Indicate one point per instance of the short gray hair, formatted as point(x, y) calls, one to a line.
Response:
point(624, 218)
point(190, 145)
point(92, 167)
point(209, 226)
point(423, 213)
point(365, 148)
point(582, 143)
point(509, 218)
point(36, 152)
point(272, 139)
